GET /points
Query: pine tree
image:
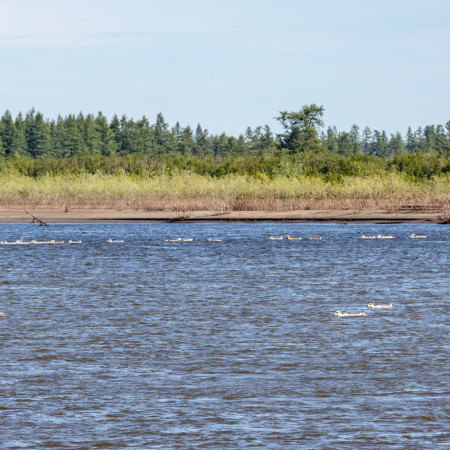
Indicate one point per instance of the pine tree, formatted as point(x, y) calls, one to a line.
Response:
point(396, 146)
point(356, 141)
point(73, 143)
point(91, 136)
point(38, 135)
point(108, 142)
point(7, 132)
point(367, 138)
point(410, 141)
point(331, 140)
point(142, 137)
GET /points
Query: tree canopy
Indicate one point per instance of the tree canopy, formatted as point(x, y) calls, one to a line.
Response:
point(87, 135)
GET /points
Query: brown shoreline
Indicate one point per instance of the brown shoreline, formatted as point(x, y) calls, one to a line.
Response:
point(106, 215)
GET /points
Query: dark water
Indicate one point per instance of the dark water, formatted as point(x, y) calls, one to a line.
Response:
point(231, 344)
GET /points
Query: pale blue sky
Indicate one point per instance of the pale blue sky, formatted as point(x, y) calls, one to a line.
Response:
point(229, 64)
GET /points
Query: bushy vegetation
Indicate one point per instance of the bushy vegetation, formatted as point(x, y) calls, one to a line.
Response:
point(328, 165)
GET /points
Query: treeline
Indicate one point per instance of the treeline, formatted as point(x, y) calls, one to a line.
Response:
point(83, 136)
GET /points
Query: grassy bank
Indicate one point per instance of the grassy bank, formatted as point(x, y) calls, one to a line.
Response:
point(185, 191)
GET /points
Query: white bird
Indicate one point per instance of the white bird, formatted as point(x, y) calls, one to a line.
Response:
point(289, 238)
point(343, 314)
point(74, 242)
point(372, 305)
point(414, 236)
point(368, 237)
point(314, 238)
point(379, 236)
point(214, 240)
point(111, 240)
point(274, 238)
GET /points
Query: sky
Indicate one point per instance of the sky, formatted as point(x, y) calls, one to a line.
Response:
point(229, 64)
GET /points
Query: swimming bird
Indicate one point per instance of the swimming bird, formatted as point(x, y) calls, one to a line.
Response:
point(368, 237)
point(372, 305)
point(2, 314)
point(214, 240)
point(289, 238)
point(275, 238)
point(379, 236)
point(315, 238)
point(414, 236)
point(74, 242)
point(111, 240)
point(339, 313)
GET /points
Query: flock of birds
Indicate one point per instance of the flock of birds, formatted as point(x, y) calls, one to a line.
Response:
point(179, 239)
point(372, 305)
point(379, 236)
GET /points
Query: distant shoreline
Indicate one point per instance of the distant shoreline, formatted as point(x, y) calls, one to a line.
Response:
point(108, 215)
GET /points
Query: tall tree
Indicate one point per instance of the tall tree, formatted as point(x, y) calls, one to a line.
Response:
point(73, 143)
point(7, 132)
point(301, 129)
point(38, 135)
point(396, 146)
point(108, 143)
point(367, 138)
point(91, 136)
point(331, 140)
point(356, 141)
point(410, 141)
point(142, 137)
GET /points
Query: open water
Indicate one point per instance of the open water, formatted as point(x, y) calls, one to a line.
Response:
point(231, 344)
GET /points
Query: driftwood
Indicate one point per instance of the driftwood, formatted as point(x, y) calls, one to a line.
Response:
point(35, 219)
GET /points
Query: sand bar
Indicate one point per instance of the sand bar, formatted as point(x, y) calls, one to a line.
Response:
point(108, 215)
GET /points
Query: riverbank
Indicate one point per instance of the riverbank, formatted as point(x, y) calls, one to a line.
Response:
point(111, 215)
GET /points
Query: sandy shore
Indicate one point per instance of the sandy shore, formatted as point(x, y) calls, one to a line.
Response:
point(102, 215)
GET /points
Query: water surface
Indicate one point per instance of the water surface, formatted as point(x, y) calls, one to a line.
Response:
point(231, 344)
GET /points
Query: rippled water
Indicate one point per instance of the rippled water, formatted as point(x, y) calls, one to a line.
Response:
point(231, 344)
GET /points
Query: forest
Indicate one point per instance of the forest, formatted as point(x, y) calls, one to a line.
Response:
point(33, 136)
point(91, 162)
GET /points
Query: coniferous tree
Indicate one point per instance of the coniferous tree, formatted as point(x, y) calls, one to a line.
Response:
point(73, 142)
point(345, 144)
point(429, 138)
point(7, 132)
point(396, 146)
point(187, 141)
point(441, 143)
point(178, 132)
point(37, 134)
point(269, 141)
point(166, 141)
point(201, 140)
point(108, 143)
point(126, 127)
point(116, 133)
point(410, 141)
point(367, 138)
point(142, 137)
point(91, 136)
point(356, 142)
point(332, 142)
